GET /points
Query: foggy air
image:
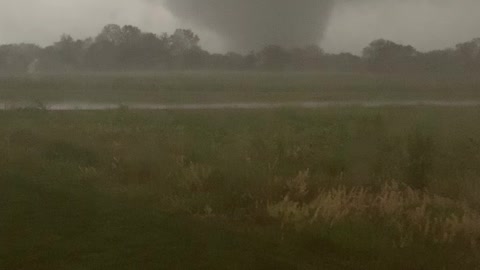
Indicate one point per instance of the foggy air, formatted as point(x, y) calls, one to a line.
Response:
point(239, 134)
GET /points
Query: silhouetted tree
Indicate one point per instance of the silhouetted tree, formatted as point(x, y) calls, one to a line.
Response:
point(66, 54)
point(387, 56)
point(273, 57)
point(139, 50)
point(469, 54)
point(343, 62)
point(111, 33)
point(15, 58)
point(250, 60)
point(185, 49)
point(439, 61)
point(127, 47)
point(309, 57)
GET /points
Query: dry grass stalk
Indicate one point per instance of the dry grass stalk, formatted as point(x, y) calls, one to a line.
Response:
point(413, 213)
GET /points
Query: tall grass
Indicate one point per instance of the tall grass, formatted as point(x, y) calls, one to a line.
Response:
point(399, 183)
point(412, 214)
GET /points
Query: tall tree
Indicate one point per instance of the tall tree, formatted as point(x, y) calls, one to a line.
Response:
point(15, 58)
point(185, 49)
point(469, 54)
point(387, 56)
point(111, 33)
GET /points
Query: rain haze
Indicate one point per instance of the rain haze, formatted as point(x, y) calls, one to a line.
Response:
point(336, 25)
point(240, 134)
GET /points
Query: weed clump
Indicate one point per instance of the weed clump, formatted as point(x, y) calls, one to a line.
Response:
point(412, 214)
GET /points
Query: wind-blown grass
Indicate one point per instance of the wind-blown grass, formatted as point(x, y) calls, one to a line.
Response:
point(347, 188)
point(412, 214)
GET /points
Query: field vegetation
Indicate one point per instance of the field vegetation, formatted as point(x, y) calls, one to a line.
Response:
point(383, 186)
point(336, 188)
point(225, 87)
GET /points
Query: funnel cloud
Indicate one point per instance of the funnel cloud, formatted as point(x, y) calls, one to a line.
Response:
point(243, 25)
point(251, 24)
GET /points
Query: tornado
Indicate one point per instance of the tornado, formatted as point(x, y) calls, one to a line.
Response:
point(251, 24)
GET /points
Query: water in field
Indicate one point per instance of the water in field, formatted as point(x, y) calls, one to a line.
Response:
point(73, 106)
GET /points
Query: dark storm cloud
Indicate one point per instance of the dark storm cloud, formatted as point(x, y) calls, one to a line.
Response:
point(342, 25)
point(338, 25)
point(250, 24)
point(43, 21)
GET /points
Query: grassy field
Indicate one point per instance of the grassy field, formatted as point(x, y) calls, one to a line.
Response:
point(351, 188)
point(211, 87)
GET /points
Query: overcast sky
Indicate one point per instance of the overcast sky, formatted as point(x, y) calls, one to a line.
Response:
point(425, 24)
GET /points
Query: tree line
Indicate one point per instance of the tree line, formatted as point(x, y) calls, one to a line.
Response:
point(125, 48)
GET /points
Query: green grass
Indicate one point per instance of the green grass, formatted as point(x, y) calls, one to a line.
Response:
point(51, 228)
point(128, 189)
point(211, 87)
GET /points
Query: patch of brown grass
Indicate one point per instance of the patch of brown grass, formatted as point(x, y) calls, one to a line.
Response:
point(412, 213)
